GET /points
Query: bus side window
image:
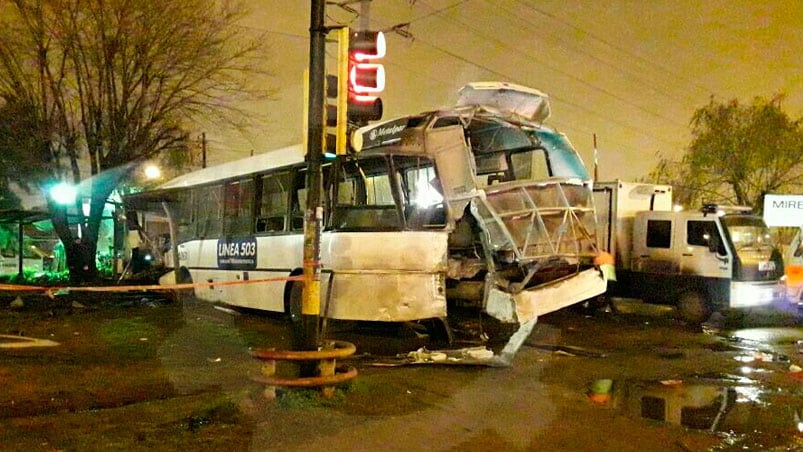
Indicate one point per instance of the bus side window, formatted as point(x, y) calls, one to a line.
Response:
point(237, 207)
point(272, 209)
point(299, 200)
point(208, 207)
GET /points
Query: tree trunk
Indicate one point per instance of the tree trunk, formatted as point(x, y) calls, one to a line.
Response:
point(81, 261)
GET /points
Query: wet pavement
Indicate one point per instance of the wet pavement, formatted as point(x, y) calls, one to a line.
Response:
point(144, 373)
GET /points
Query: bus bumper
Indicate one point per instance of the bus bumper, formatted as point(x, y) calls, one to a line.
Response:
point(529, 304)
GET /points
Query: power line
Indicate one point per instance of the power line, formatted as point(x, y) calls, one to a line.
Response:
point(561, 71)
point(615, 47)
point(557, 98)
point(579, 50)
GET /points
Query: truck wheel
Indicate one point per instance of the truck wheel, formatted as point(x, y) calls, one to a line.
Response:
point(693, 307)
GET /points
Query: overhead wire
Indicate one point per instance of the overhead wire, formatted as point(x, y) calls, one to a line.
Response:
point(502, 75)
point(643, 81)
point(662, 68)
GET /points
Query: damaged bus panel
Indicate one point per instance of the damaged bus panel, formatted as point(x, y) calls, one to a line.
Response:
point(518, 200)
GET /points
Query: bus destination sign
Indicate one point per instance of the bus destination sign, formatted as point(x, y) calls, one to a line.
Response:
point(237, 253)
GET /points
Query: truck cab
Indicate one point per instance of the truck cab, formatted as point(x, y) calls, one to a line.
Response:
point(702, 260)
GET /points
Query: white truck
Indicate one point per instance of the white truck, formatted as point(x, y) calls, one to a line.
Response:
point(700, 261)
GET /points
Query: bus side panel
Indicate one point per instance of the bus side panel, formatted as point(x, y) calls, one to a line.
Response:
point(276, 257)
point(386, 276)
point(386, 297)
point(267, 296)
point(423, 251)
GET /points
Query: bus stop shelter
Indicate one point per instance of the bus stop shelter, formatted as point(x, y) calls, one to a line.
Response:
point(21, 218)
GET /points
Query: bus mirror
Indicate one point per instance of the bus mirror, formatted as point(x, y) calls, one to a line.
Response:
point(799, 250)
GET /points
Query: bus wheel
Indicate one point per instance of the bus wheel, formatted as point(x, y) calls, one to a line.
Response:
point(693, 307)
point(292, 305)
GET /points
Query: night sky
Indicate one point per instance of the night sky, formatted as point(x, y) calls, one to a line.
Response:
point(631, 72)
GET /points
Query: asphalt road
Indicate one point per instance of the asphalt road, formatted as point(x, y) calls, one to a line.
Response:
point(140, 373)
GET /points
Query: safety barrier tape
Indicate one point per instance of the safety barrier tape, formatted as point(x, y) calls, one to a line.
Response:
point(51, 291)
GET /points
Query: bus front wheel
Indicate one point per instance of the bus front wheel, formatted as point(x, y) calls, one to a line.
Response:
point(693, 307)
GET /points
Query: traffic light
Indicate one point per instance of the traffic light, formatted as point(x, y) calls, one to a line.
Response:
point(366, 76)
point(335, 118)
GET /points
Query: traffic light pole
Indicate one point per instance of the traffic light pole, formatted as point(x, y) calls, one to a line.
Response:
point(313, 217)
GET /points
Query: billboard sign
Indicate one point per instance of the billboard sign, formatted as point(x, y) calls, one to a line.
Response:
point(783, 210)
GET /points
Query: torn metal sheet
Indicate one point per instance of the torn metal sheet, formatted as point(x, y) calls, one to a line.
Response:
point(469, 356)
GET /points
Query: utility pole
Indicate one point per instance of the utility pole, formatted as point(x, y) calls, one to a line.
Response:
point(203, 150)
point(313, 217)
point(365, 8)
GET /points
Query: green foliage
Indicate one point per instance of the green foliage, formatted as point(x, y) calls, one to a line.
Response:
point(738, 153)
point(308, 398)
point(36, 278)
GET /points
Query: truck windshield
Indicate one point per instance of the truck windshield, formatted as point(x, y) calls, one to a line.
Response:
point(748, 233)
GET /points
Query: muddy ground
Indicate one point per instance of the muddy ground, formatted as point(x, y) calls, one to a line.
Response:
point(138, 372)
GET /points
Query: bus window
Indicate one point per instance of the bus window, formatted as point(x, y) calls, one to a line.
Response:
point(491, 168)
point(364, 198)
point(272, 209)
point(299, 196)
point(185, 216)
point(299, 201)
point(530, 165)
point(237, 210)
point(423, 201)
point(208, 208)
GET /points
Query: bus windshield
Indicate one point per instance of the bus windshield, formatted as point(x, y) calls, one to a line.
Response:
point(386, 193)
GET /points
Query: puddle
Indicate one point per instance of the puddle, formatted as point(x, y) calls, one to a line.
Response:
point(769, 335)
point(732, 407)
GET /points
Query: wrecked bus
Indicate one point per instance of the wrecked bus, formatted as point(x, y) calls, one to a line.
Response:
point(478, 206)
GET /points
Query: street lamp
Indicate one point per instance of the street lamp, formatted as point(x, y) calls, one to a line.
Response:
point(63, 193)
point(152, 172)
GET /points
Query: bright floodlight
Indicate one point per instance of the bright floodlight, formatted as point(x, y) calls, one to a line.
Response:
point(63, 193)
point(152, 172)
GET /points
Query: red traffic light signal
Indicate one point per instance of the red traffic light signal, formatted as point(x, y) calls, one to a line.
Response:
point(366, 77)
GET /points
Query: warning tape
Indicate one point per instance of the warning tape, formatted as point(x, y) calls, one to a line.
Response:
point(51, 291)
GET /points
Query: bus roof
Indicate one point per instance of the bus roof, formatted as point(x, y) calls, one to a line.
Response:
point(268, 160)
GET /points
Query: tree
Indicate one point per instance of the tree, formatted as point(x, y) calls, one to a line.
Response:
point(738, 153)
point(108, 84)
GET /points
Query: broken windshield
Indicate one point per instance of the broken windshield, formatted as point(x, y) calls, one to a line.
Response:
point(387, 193)
point(564, 161)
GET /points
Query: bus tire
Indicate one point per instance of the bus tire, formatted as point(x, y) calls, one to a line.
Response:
point(293, 300)
point(693, 307)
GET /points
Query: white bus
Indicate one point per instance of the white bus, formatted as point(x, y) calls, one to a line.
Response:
point(477, 206)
